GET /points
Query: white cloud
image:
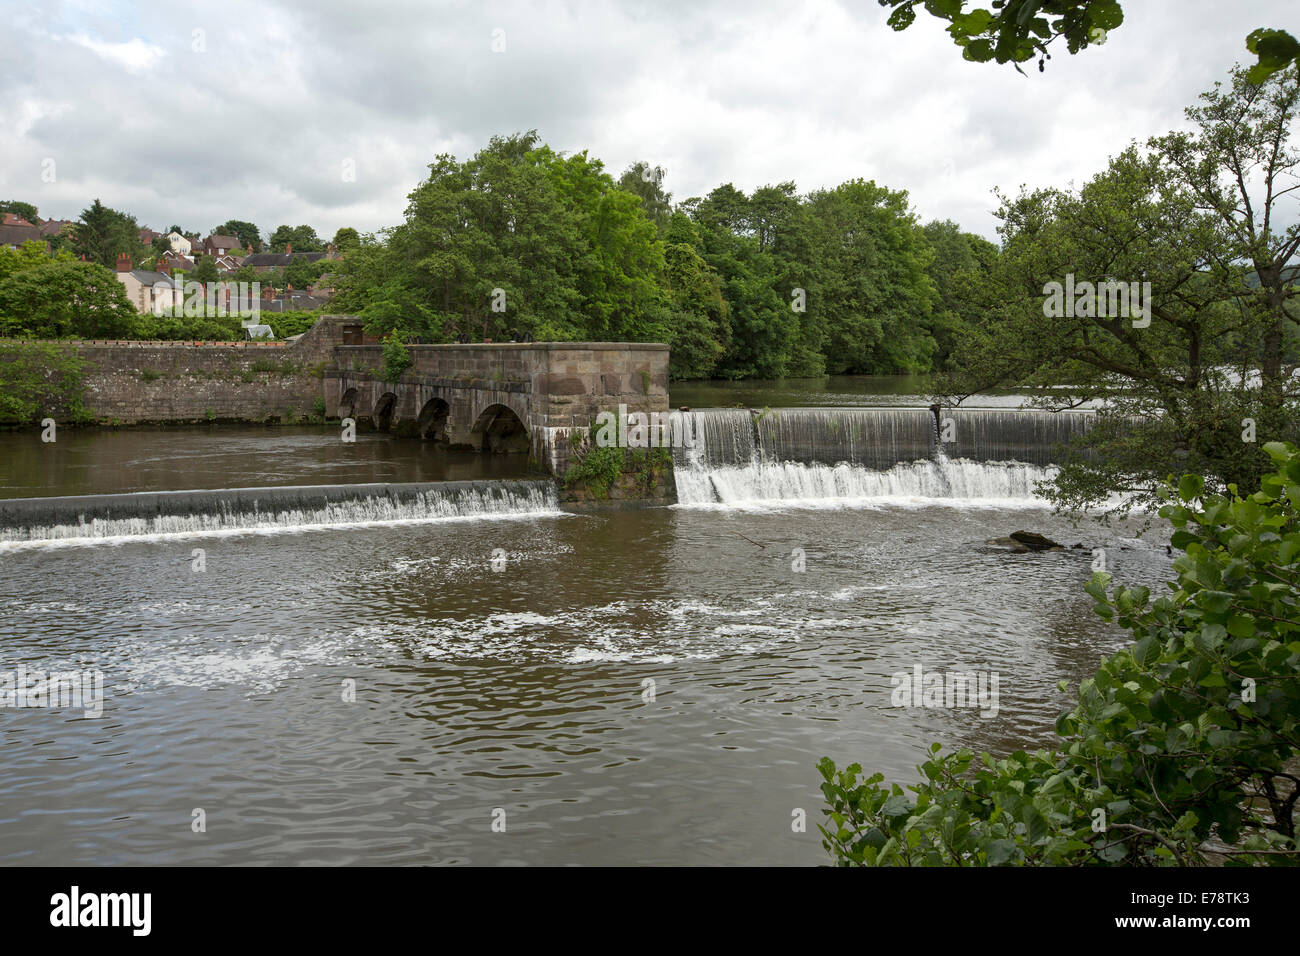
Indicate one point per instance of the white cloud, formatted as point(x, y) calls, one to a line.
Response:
point(134, 56)
point(256, 127)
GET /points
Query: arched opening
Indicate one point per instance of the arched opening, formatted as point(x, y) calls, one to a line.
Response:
point(348, 404)
point(432, 423)
point(383, 414)
point(499, 430)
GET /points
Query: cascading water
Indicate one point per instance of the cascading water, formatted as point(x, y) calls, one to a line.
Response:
point(815, 454)
point(24, 521)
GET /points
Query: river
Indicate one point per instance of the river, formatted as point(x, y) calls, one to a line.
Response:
point(497, 681)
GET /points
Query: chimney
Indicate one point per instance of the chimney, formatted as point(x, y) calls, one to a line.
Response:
point(123, 262)
point(288, 248)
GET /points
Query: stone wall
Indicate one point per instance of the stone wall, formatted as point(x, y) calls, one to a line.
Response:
point(132, 382)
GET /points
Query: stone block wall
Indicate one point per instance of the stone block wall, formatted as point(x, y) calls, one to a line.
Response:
point(131, 382)
point(552, 387)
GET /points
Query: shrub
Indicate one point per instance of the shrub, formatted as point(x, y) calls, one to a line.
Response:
point(1178, 749)
point(397, 358)
point(39, 379)
point(285, 324)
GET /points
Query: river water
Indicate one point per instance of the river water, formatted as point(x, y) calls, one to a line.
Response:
point(370, 685)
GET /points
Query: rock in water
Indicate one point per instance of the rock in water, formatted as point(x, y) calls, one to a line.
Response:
point(1036, 542)
point(1011, 544)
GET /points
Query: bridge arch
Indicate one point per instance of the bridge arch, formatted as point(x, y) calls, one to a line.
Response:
point(499, 429)
point(431, 425)
point(382, 416)
point(348, 403)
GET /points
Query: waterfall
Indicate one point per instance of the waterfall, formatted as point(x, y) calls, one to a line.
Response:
point(288, 508)
point(741, 455)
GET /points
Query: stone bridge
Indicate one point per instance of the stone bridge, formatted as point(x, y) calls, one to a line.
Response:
point(515, 397)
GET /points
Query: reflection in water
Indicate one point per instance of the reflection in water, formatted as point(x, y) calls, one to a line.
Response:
point(830, 390)
point(109, 461)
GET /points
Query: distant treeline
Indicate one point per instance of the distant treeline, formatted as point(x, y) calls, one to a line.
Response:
point(521, 240)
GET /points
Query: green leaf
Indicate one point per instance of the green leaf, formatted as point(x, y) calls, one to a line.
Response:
point(1190, 487)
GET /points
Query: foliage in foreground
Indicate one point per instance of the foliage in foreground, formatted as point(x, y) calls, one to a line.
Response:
point(1179, 746)
point(1014, 31)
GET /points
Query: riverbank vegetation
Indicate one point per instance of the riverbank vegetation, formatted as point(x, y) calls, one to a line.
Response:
point(39, 378)
point(1180, 750)
point(521, 241)
point(1195, 366)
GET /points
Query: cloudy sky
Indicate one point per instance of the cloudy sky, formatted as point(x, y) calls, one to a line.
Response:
point(196, 113)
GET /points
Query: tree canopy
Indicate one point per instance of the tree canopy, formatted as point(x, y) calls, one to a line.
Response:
point(520, 240)
point(245, 232)
point(102, 234)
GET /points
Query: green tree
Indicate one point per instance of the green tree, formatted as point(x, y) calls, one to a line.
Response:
point(103, 233)
point(1189, 379)
point(65, 299)
point(346, 239)
point(302, 238)
point(763, 324)
point(962, 262)
point(24, 210)
point(646, 182)
point(871, 290)
point(300, 273)
point(698, 326)
point(205, 270)
point(515, 240)
point(27, 256)
point(1179, 742)
point(245, 232)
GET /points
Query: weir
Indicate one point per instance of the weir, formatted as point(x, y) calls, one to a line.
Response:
point(828, 453)
point(284, 508)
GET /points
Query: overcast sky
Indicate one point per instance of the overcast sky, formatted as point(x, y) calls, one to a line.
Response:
point(196, 113)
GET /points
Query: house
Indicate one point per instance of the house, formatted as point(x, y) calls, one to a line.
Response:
point(148, 291)
point(172, 260)
point(217, 245)
point(290, 300)
point(15, 230)
point(52, 227)
point(179, 243)
point(266, 261)
point(147, 236)
point(323, 287)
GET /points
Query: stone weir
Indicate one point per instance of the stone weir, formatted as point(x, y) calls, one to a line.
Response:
point(33, 520)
